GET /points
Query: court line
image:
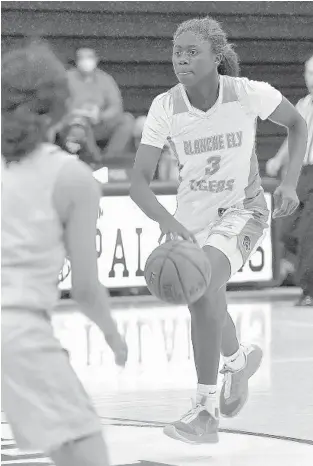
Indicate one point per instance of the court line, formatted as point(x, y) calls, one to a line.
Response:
point(291, 360)
point(154, 424)
point(124, 422)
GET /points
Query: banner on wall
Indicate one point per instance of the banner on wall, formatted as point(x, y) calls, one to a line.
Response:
point(124, 243)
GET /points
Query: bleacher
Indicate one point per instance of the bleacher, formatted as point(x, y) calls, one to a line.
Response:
point(134, 41)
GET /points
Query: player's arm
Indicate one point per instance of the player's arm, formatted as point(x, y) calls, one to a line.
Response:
point(268, 103)
point(154, 136)
point(282, 156)
point(155, 132)
point(147, 159)
point(77, 198)
point(286, 115)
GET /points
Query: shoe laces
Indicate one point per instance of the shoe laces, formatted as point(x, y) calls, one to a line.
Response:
point(230, 381)
point(227, 372)
point(193, 412)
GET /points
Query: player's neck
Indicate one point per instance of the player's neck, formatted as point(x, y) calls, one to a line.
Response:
point(205, 94)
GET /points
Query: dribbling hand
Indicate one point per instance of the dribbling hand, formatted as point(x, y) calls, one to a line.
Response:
point(173, 230)
point(285, 200)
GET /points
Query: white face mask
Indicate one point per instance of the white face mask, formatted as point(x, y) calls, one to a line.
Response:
point(87, 65)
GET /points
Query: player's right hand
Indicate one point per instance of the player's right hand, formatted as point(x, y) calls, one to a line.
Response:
point(119, 347)
point(173, 230)
point(273, 166)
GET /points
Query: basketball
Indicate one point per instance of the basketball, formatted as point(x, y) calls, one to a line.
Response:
point(178, 272)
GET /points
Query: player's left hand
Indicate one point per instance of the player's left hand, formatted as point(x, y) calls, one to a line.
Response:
point(286, 201)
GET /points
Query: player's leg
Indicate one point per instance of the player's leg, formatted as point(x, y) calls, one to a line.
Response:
point(230, 343)
point(234, 354)
point(200, 424)
point(289, 240)
point(210, 311)
point(304, 272)
point(290, 225)
point(215, 330)
point(244, 362)
point(44, 402)
point(87, 451)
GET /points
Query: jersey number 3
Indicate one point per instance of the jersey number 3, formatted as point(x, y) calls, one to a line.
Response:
point(213, 165)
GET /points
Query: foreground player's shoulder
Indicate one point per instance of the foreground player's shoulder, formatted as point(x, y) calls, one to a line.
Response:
point(75, 181)
point(257, 97)
point(157, 125)
point(77, 175)
point(250, 87)
point(170, 103)
point(163, 104)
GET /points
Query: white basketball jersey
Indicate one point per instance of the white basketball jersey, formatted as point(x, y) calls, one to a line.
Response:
point(32, 236)
point(215, 150)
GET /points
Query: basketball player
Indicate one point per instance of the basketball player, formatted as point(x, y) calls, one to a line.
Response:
point(297, 229)
point(50, 204)
point(209, 119)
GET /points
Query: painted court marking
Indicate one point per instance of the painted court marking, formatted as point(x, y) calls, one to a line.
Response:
point(11, 456)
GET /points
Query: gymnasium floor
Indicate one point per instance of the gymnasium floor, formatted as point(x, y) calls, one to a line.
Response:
point(275, 427)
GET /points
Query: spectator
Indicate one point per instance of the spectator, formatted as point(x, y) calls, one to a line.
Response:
point(96, 98)
point(297, 229)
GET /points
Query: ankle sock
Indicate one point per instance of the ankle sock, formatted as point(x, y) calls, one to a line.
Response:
point(236, 361)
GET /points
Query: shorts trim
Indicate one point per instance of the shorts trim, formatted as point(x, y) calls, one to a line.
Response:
point(228, 246)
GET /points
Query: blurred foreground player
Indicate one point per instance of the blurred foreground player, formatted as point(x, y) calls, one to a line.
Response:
point(209, 120)
point(297, 230)
point(50, 204)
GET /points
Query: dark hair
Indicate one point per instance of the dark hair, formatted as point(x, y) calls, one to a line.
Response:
point(34, 90)
point(210, 30)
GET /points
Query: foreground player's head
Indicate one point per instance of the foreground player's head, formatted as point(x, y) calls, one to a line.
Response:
point(34, 92)
point(308, 73)
point(201, 49)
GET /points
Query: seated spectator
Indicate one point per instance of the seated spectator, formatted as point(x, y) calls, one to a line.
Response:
point(96, 116)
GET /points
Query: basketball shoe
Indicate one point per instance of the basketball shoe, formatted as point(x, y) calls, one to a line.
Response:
point(235, 388)
point(196, 427)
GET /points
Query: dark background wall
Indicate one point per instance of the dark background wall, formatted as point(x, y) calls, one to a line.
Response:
point(133, 40)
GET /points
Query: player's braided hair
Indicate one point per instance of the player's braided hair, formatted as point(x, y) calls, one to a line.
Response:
point(34, 90)
point(210, 30)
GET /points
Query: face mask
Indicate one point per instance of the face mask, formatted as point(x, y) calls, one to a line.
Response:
point(87, 65)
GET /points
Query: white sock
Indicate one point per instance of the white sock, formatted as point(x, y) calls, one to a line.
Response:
point(209, 392)
point(236, 361)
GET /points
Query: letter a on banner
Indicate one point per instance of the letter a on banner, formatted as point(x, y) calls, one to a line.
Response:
point(119, 260)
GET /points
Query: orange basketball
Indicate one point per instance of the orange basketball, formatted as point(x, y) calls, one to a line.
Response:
point(178, 272)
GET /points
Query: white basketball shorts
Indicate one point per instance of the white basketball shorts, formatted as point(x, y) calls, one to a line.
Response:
point(43, 400)
point(237, 234)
